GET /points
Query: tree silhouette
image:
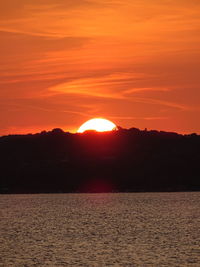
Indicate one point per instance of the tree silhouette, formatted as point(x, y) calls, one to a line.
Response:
point(128, 160)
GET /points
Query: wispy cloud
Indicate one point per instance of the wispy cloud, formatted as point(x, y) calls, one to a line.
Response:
point(65, 61)
point(132, 118)
point(108, 86)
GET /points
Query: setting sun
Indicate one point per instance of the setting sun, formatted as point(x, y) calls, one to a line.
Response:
point(97, 124)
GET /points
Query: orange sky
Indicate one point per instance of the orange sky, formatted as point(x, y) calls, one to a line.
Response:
point(135, 62)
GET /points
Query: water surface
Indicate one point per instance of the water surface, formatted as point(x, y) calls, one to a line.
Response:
point(122, 229)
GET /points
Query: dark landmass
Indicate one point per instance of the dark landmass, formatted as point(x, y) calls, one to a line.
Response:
point(126, 160)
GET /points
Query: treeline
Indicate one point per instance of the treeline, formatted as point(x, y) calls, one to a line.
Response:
point(126, 160)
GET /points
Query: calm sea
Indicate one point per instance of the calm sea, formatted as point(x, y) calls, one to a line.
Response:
point(122, 229)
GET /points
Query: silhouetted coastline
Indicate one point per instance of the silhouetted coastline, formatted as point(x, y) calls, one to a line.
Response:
point(126, 160)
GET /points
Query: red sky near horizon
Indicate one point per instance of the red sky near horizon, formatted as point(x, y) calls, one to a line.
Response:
point(134, 62)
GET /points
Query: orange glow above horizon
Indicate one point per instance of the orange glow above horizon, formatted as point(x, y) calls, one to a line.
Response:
point(97, 124)
point(134, 62)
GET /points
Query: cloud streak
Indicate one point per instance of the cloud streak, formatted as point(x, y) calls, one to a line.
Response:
point(62, 61)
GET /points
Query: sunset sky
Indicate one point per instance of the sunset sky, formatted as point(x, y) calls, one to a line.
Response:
point(134, 62)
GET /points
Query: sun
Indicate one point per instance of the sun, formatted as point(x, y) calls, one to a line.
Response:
point(97, 124)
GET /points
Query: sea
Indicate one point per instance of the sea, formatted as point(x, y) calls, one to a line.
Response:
point(114, 229)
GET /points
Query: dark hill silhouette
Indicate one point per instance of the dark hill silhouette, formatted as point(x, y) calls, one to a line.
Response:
point(127, 160)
